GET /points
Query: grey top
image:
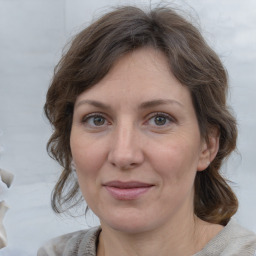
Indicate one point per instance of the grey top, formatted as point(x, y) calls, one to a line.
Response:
point(232, 240)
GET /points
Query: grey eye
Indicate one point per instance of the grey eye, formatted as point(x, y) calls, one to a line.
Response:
point(160, 120)
point(95, 120)
point(98, 120)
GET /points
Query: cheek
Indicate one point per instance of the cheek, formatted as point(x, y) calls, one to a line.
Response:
point(88, 158)
point(87, 169)
point(176, 168)
point(175, 162)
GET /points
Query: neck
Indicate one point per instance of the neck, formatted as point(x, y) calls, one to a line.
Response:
point(182, 237)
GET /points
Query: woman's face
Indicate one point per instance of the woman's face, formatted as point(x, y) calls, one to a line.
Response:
point(136, 145)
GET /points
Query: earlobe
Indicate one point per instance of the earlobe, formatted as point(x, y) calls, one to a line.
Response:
point(209, 150)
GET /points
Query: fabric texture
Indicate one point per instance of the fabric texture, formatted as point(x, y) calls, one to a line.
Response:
point(233, 240)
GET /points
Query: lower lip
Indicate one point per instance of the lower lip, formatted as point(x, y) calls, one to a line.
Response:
point(127, 193)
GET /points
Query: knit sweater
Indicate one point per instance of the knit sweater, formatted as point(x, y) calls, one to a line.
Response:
point(232, 240)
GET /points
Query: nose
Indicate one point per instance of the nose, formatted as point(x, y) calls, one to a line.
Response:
point(126, 148)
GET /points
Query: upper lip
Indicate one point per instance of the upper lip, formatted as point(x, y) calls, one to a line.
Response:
point(127, 184)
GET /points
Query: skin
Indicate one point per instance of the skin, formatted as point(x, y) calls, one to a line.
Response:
point(139, 124)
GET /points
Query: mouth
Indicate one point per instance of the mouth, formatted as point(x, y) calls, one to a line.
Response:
point(127, 190)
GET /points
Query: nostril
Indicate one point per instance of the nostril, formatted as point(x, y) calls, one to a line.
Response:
point(125, 162)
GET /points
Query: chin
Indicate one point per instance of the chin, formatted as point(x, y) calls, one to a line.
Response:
point(130, 228)
point(130, 224)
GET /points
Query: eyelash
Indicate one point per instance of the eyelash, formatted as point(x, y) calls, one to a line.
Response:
point(161, 114)
point(93, 115)
point(151, 116)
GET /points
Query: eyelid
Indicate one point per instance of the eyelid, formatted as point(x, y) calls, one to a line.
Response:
point(85, 120)
point(87, 116)
point(169, 117)
point(148, 117)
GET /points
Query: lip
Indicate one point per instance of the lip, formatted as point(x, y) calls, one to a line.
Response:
point(130, 190)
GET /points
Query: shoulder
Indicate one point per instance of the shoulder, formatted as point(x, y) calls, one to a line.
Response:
point(72, 244)
point(232, 240)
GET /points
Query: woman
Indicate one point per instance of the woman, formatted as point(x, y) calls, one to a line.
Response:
point(138, 107)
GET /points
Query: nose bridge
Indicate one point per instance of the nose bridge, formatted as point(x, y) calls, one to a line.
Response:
point(126, 150)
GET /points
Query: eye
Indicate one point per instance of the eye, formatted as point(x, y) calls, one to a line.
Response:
point(160, 120)
point(95, 120)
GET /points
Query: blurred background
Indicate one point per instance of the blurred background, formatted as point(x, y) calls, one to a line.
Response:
point(32, 35)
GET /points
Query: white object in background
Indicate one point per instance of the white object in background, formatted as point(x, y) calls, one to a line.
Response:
point(3, 239)
point(6, 177)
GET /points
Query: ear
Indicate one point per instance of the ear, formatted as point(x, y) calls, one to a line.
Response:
point(209, 149)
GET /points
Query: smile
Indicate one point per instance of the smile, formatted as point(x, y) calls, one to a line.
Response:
point(127, 190)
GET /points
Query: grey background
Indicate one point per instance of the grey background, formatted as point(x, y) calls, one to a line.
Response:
point(32, 35)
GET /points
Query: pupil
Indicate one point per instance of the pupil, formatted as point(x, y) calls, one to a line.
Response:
point(160, 120)
point(98, 120)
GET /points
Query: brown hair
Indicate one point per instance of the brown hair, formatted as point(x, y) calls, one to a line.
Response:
point(92, 54)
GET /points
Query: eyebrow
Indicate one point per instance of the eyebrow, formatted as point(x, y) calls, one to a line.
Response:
point(143, 105)
point(157, 102)
point(94, 103)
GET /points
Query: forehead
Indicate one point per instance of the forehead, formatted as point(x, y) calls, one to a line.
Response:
point(140, 75)
point(144, 64)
